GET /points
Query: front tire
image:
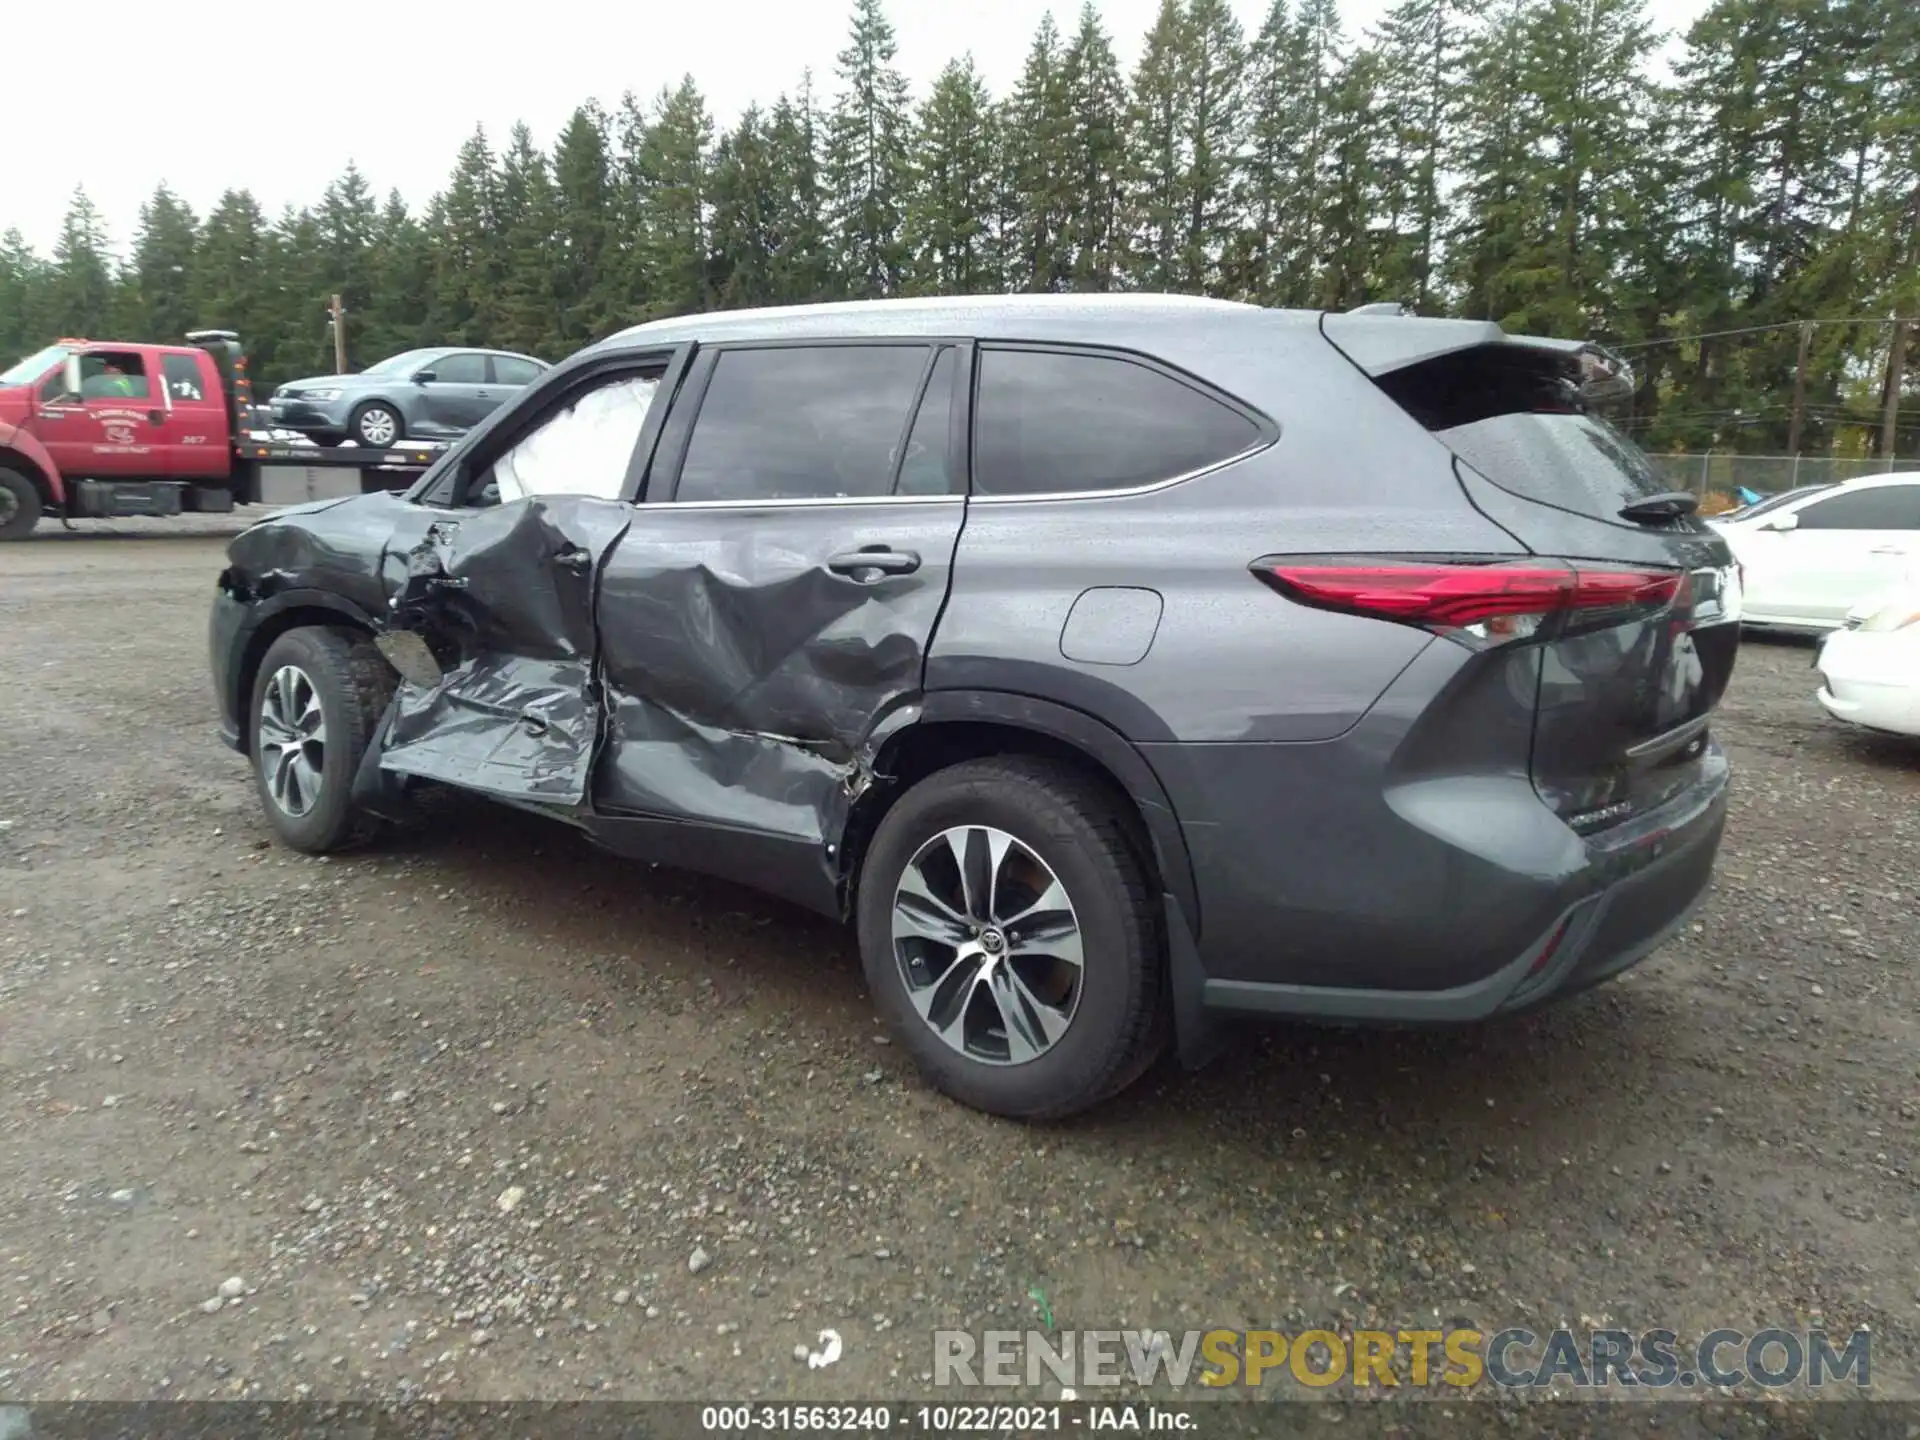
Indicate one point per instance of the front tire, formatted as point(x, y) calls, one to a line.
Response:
point(316, 700)
point(19, 505)
point(377, 425)
point(1009, 937)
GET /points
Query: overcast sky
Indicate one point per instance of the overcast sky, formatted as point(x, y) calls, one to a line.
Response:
point(278, 98)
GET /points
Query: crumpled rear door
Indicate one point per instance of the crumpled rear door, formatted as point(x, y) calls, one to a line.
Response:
point(503, 598)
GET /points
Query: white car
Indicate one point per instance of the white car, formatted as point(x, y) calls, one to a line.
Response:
point(1870, 671)
point(1811, 555)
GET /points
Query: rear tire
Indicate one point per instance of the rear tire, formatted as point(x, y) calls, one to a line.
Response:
point(1043, 827)
point(19, 505)
point(316, 700)
point(377, 425)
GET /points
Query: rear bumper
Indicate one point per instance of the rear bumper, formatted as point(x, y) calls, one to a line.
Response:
point(1446, 906)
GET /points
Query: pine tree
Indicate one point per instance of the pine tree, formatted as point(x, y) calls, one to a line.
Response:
point(348, 218)
point(1421, 45)
point(162, 269)
point(528, 221)
point(1271, 260)
point(1188, 123)
point(803, 267)
point(298, 329)
point(463, 225)
point(591, 296)
point(867, 167)
point(1489, 236)
point(1216, 79)
point(232, 286)
point(1350, 261)
point(23, 286)
point(399, 269)
point(1585, 67)
point(1095, 161)
point(79, 298)
point(743, 236)
point(1037, 128)
point(954, 179)
point(1156, 140)
point(671, 245)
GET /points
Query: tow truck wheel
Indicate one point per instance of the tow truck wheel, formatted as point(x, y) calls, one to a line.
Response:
point(376, 425)
point(19, 505)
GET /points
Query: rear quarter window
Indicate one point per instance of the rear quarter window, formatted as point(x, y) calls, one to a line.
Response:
point(1518, 420)
point(1059, 422)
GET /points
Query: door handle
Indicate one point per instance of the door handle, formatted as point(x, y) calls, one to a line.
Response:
point(870, 564)
point(577, 560)
point(1889, 550)
point(156, 417)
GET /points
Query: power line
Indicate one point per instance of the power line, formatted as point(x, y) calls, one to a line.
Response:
point(1751, 330)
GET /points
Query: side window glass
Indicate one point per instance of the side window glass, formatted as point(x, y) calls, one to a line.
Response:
point(510, 370)
point(182, 374)
point(462, 369)
point(923, 468)
point(801, 423)
point(113, 375)
point(583, 449)
point(1885, 507)
point(1050, 422)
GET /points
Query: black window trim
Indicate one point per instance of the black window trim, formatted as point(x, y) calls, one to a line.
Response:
point(445, 482)
point(1269, 429)
point(672, 452)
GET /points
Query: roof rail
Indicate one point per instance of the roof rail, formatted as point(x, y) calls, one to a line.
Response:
point(1379, 307)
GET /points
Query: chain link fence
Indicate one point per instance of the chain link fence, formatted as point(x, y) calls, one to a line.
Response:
point(1719, 479)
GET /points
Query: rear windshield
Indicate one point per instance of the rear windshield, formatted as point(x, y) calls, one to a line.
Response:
point(1518, 419)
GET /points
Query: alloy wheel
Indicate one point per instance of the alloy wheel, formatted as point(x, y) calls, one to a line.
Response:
point(378, 427)
point(293, 740)
point(988, 945)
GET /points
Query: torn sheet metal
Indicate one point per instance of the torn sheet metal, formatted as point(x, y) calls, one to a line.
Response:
point(668, 764)
point(504, 600)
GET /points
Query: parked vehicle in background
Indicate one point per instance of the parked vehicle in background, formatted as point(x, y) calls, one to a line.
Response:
point(1811, 555)
point(1113, 663)
point(1870, 670)
point(95, 429)
point(417, 395)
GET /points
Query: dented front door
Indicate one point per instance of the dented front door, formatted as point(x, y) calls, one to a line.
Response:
point(493, 633)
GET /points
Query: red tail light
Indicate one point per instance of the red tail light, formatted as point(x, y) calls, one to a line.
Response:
point(1493, 601)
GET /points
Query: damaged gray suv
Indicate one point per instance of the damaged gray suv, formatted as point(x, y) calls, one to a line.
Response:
point(1114, 665)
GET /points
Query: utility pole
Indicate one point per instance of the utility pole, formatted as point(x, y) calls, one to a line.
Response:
point(1896, 376)
point(339, 313)
point(1800, 387)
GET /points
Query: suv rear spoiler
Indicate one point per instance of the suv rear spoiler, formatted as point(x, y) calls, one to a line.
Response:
point(1381, 340)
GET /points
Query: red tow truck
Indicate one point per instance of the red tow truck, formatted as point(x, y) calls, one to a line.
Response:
point(106, 428)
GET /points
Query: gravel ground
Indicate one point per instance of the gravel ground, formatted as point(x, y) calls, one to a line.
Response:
point(485, 1114)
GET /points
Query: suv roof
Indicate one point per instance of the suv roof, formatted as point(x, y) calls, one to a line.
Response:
point(1185, 329)
point(1029, 317)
